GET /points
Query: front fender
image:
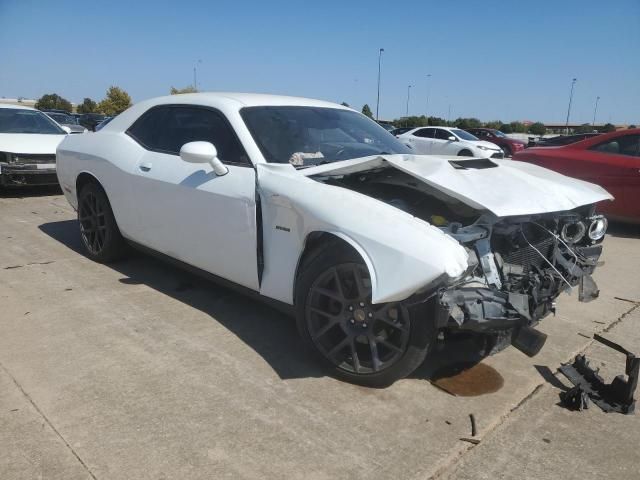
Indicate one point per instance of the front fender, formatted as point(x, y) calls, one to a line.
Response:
point(403, 253)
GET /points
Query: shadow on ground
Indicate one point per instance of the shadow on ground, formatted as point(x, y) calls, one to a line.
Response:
point(30, 191)
point(454, 367)
point(623, 230)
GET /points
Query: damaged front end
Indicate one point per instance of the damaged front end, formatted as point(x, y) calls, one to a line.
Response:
point(519, 267)
point(520, 260)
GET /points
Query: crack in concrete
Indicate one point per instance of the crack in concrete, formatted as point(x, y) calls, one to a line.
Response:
point(48, 422)
point(446, 468)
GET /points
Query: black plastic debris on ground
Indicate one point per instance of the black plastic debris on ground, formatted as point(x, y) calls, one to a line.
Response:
point(575, 398)
point(616, 396)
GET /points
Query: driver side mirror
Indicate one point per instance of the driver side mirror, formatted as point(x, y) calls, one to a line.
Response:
point(203, 152)
point(66, 129)
point(452, 139)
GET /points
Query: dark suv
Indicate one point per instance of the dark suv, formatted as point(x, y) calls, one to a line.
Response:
point(509, 146)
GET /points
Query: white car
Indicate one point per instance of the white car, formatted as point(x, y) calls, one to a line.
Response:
point(28, 141)
point(449, 141)
point(320, 210)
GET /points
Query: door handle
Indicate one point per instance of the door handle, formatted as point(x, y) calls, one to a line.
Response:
point(145, 167)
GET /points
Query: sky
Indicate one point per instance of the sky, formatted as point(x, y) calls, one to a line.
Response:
point(507, 60)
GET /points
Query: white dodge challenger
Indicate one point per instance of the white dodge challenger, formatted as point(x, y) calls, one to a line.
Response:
point(377, 252)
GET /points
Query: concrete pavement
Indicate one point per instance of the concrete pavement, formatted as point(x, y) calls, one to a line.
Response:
point(139, 370)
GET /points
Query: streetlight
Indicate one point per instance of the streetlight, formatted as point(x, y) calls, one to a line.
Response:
point(593, 124)
point(408, 96)
point(573, 82)
point(195, 75)
point(428, 84)
point(378, 100)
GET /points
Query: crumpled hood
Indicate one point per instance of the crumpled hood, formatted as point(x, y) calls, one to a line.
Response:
point(504, 187)
point(29, 143)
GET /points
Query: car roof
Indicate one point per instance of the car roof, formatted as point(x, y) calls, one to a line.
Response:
point(242, 100)
point(17, 107)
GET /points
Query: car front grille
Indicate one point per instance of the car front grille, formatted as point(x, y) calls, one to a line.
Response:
point(527, 256)
point(32, 158)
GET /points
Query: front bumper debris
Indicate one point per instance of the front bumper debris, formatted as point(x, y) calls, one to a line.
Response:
point(616, 396)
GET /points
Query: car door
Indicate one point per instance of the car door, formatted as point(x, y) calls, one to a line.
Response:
point(421, 141)
point(442, 145)
point(185, 210)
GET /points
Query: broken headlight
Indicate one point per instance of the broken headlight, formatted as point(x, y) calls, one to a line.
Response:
point(598, 228)
point(573, 232)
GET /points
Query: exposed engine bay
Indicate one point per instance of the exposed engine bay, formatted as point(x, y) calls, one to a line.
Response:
point(517, 265)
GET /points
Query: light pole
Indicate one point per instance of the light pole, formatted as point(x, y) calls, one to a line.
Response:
point(573, 82)
point(195, 75)
point(427, 109)
point(379, 65)
point(408, 97)
point(593, 124)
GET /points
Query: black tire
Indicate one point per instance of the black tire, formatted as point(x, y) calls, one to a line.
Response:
point(507, 151)
point(380, 343)
point(465, 153)
point(98, 228)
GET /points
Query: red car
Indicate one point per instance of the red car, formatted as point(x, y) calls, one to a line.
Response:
point(610, 160)
point(509, 146)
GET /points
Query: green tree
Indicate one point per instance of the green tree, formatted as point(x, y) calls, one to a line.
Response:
point(367, 111)
point(187, 89)
point(584, 128)
point(53, 101)
point(609, 127)
point(116, 101)
point(465, 123)
point(518, 127)
point(87, 106)
point(631, 126)
point(537, 128)
point(437, 121)
point(506, 128)
point(494, 124)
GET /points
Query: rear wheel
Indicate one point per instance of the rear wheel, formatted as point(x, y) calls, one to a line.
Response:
point(98, 229)
point(364, 343)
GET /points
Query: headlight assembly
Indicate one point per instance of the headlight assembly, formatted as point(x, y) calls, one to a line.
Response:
point(482, 147)
point(598, 227)
point(573, 232)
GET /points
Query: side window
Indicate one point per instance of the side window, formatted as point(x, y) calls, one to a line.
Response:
point(424, 133)
point(443, 134)
point(626, 145)
point(166, 129)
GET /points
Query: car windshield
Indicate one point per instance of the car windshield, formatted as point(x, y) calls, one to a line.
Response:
point(463, 135)
point(14, 120)
point(306, 136)
point(498, 133)
point(62, 118)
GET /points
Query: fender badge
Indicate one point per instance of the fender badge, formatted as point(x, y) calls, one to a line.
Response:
point(284, 229)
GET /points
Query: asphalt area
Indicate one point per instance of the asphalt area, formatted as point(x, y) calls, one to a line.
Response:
point(140, 370)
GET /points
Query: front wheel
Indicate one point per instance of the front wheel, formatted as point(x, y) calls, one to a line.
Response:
point(465, 153)
point(363, 343)
point(98, 228)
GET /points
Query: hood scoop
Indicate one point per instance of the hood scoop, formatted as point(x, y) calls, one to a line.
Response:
point(474, 163)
